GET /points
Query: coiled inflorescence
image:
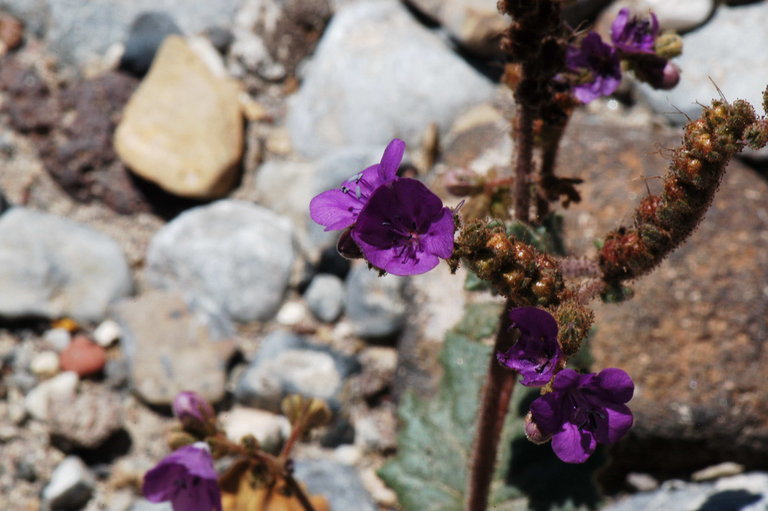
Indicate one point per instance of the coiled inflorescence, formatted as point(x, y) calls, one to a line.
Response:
point(514, 269)
point(663, 221)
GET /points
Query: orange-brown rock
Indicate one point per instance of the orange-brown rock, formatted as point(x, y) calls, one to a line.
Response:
point(83, 356)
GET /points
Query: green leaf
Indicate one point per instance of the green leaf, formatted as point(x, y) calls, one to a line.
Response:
point(475, 283)
point(546, 237)
point(429, 472)
point(480, 320)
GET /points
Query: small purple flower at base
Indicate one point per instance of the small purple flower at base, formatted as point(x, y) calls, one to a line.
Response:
point(536, 353)
point(634, 35)
point(192, 410)
point(185, 477)
point(404, 228)
point(583, 410)
point(338, 208)
point(599, 62)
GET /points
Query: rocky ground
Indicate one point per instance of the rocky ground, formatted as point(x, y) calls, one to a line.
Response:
point(156, 163)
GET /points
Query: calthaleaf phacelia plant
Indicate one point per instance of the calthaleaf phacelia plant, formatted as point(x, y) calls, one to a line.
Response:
point(398, 226)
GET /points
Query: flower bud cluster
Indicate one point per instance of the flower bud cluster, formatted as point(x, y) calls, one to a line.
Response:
point(663, 221)
point(514, 269)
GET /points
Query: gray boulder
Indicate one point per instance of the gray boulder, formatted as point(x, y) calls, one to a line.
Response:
point(52, 267)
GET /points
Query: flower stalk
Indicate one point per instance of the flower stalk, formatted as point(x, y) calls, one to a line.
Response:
point(494, 406)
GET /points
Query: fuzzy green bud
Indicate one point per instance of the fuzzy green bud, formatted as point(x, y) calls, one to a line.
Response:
point(669, 45)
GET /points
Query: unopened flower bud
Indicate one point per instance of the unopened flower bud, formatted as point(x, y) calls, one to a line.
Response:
point(668, 45)
point(177, 439)
point(310, 412)
point(656, 72)
point(532, 431)
point(347, 248)
point(670, 76)
point(194, 412)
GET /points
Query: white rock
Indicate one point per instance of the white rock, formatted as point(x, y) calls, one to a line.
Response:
point(45, 363)
point(268, 428)
point(55, 267)
point(232, 256)
point(291, 313)
point(70, 486)
point(58, 338)
point(348, 454)
point(107, 333)
point(377, 73)
point(716, 56)
point(60, 387)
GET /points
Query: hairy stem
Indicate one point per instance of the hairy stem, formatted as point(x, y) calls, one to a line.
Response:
point(298, 492)
point(523, 162)
point(497, 395)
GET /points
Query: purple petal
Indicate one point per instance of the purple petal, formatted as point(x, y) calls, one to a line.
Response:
point(534, 322)
point(179, 473)
point(160, 482)
point(547, 413)
point(334, 209)
point(617, 383)
point(618, 25)
point(616, 422)
point(567, 379)
point(573, 445)
point(392, 261)
point(439, 238)
point(529, 370)
point(199, 495)
point(390, 160)
point(400, 226)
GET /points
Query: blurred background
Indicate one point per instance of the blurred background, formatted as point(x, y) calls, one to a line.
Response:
point(157, 159)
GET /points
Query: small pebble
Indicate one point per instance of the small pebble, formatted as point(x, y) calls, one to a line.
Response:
point(71, 485)
point(59, 388)
point(268, 428)
point(380, 492)
point(717, 471)
point(58, 338)
point(11, 32)
point(45, 363)
point(291, 313)
point(325, 297)
point(107, 333)
point(83, 356)
point(348, 454)
point(642, 482)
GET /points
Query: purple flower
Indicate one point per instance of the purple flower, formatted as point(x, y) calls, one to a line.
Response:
point(598, 66)
point(634, 35)
point(192, 410)
point(536, 354)
point(338, 208)
point(187, 478)
point(583, 410)
point(404, 228)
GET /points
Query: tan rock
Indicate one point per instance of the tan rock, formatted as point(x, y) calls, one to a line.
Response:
point(183, 127)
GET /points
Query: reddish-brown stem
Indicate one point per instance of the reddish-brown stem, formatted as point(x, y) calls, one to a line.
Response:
point(298, 492)
point(296, 433)
point(549, 148)
point(493, 410)
point(523, 162)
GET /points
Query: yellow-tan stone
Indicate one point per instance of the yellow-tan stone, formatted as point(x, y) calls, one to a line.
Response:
point(183, 127)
